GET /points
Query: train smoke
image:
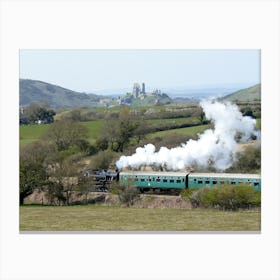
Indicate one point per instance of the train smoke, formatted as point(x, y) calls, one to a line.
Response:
point(215, 147)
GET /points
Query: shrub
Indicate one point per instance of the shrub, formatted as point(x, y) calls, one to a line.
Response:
point(186, 193)
point(115, 188)
point(129, 195)
point(196, 198)
point(227, 197)
point(103, 159)
point(247, 161)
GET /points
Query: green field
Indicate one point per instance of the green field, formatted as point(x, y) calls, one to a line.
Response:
point(114, 218)
point(174, 121)
point(31, 133)
point(190, 131)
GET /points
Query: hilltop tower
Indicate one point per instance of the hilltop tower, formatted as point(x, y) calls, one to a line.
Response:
point(136, 90)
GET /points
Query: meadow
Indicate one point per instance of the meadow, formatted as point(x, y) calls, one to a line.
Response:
point(117, 218)
point(188, 131)
point(31, 133)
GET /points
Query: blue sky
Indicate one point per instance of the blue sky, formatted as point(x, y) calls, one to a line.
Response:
point(90, 70)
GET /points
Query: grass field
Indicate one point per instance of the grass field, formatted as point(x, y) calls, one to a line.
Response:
point(190, 131)
point(113, 218)
point(31, 133)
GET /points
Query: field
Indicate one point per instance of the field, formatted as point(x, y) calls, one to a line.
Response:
point(189, 131)
point(31, 133)
point(116, 218)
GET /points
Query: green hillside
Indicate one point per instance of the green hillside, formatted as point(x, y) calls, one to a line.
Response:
point(248, 94)
point(31, 91)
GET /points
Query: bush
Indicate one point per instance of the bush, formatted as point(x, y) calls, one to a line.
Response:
point(115, 188)
point(197, 198)
point(129, 195)
point(226, 197)
point(248, 160)
point(103, 159)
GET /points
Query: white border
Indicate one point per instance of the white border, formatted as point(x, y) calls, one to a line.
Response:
point(163, 24)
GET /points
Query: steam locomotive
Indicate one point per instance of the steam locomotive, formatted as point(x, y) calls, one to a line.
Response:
point(144, 180)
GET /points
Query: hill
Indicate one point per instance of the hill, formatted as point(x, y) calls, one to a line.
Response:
point(248, 94)
point(145, 99)
point(32, 91)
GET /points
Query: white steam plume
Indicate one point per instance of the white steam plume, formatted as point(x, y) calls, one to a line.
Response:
point(217, 146)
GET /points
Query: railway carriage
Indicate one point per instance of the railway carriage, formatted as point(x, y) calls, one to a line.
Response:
point(198, 180)
point(154, 180)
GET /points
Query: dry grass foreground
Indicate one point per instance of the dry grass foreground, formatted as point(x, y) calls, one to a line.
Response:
point(117, 218)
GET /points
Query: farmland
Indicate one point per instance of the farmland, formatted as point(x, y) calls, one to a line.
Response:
point(31, 133)
point(116, 218)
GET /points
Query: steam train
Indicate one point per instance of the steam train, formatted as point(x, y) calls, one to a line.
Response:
point(144, 180)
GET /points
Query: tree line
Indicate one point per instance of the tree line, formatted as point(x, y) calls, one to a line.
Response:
point(36, 113)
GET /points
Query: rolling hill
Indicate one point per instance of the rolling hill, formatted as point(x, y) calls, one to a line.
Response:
point(32, 91)
point(248, 94)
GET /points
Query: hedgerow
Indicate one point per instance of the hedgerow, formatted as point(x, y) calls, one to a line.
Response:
point(226, 197)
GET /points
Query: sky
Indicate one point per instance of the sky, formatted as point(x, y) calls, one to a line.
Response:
point(93, 70)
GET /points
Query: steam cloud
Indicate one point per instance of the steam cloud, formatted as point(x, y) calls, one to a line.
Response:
point(216, 147)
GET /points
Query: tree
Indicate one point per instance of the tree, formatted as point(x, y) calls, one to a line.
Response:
point(33, 173)
point(74, 115)
point(85, 185)
point(103, 159)
point(128, 195)
point(64, 177)
point(247, 111)
point(141, 130)
point(199, 113)
point(54, 191)
point(36, 112)
point(118, 132)
point(248, 160)
point(65, 133)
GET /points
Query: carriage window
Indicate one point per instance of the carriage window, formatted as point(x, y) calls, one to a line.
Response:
point(256, 184)
point(207, 182)
point(199, 181)
point(149, 180)
point(232, 182)
point(171, 181)
point(178, 181)
point(142, 180)
point(214, 182)
point(194, 180)
point(164, 180)
point(158, 179)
